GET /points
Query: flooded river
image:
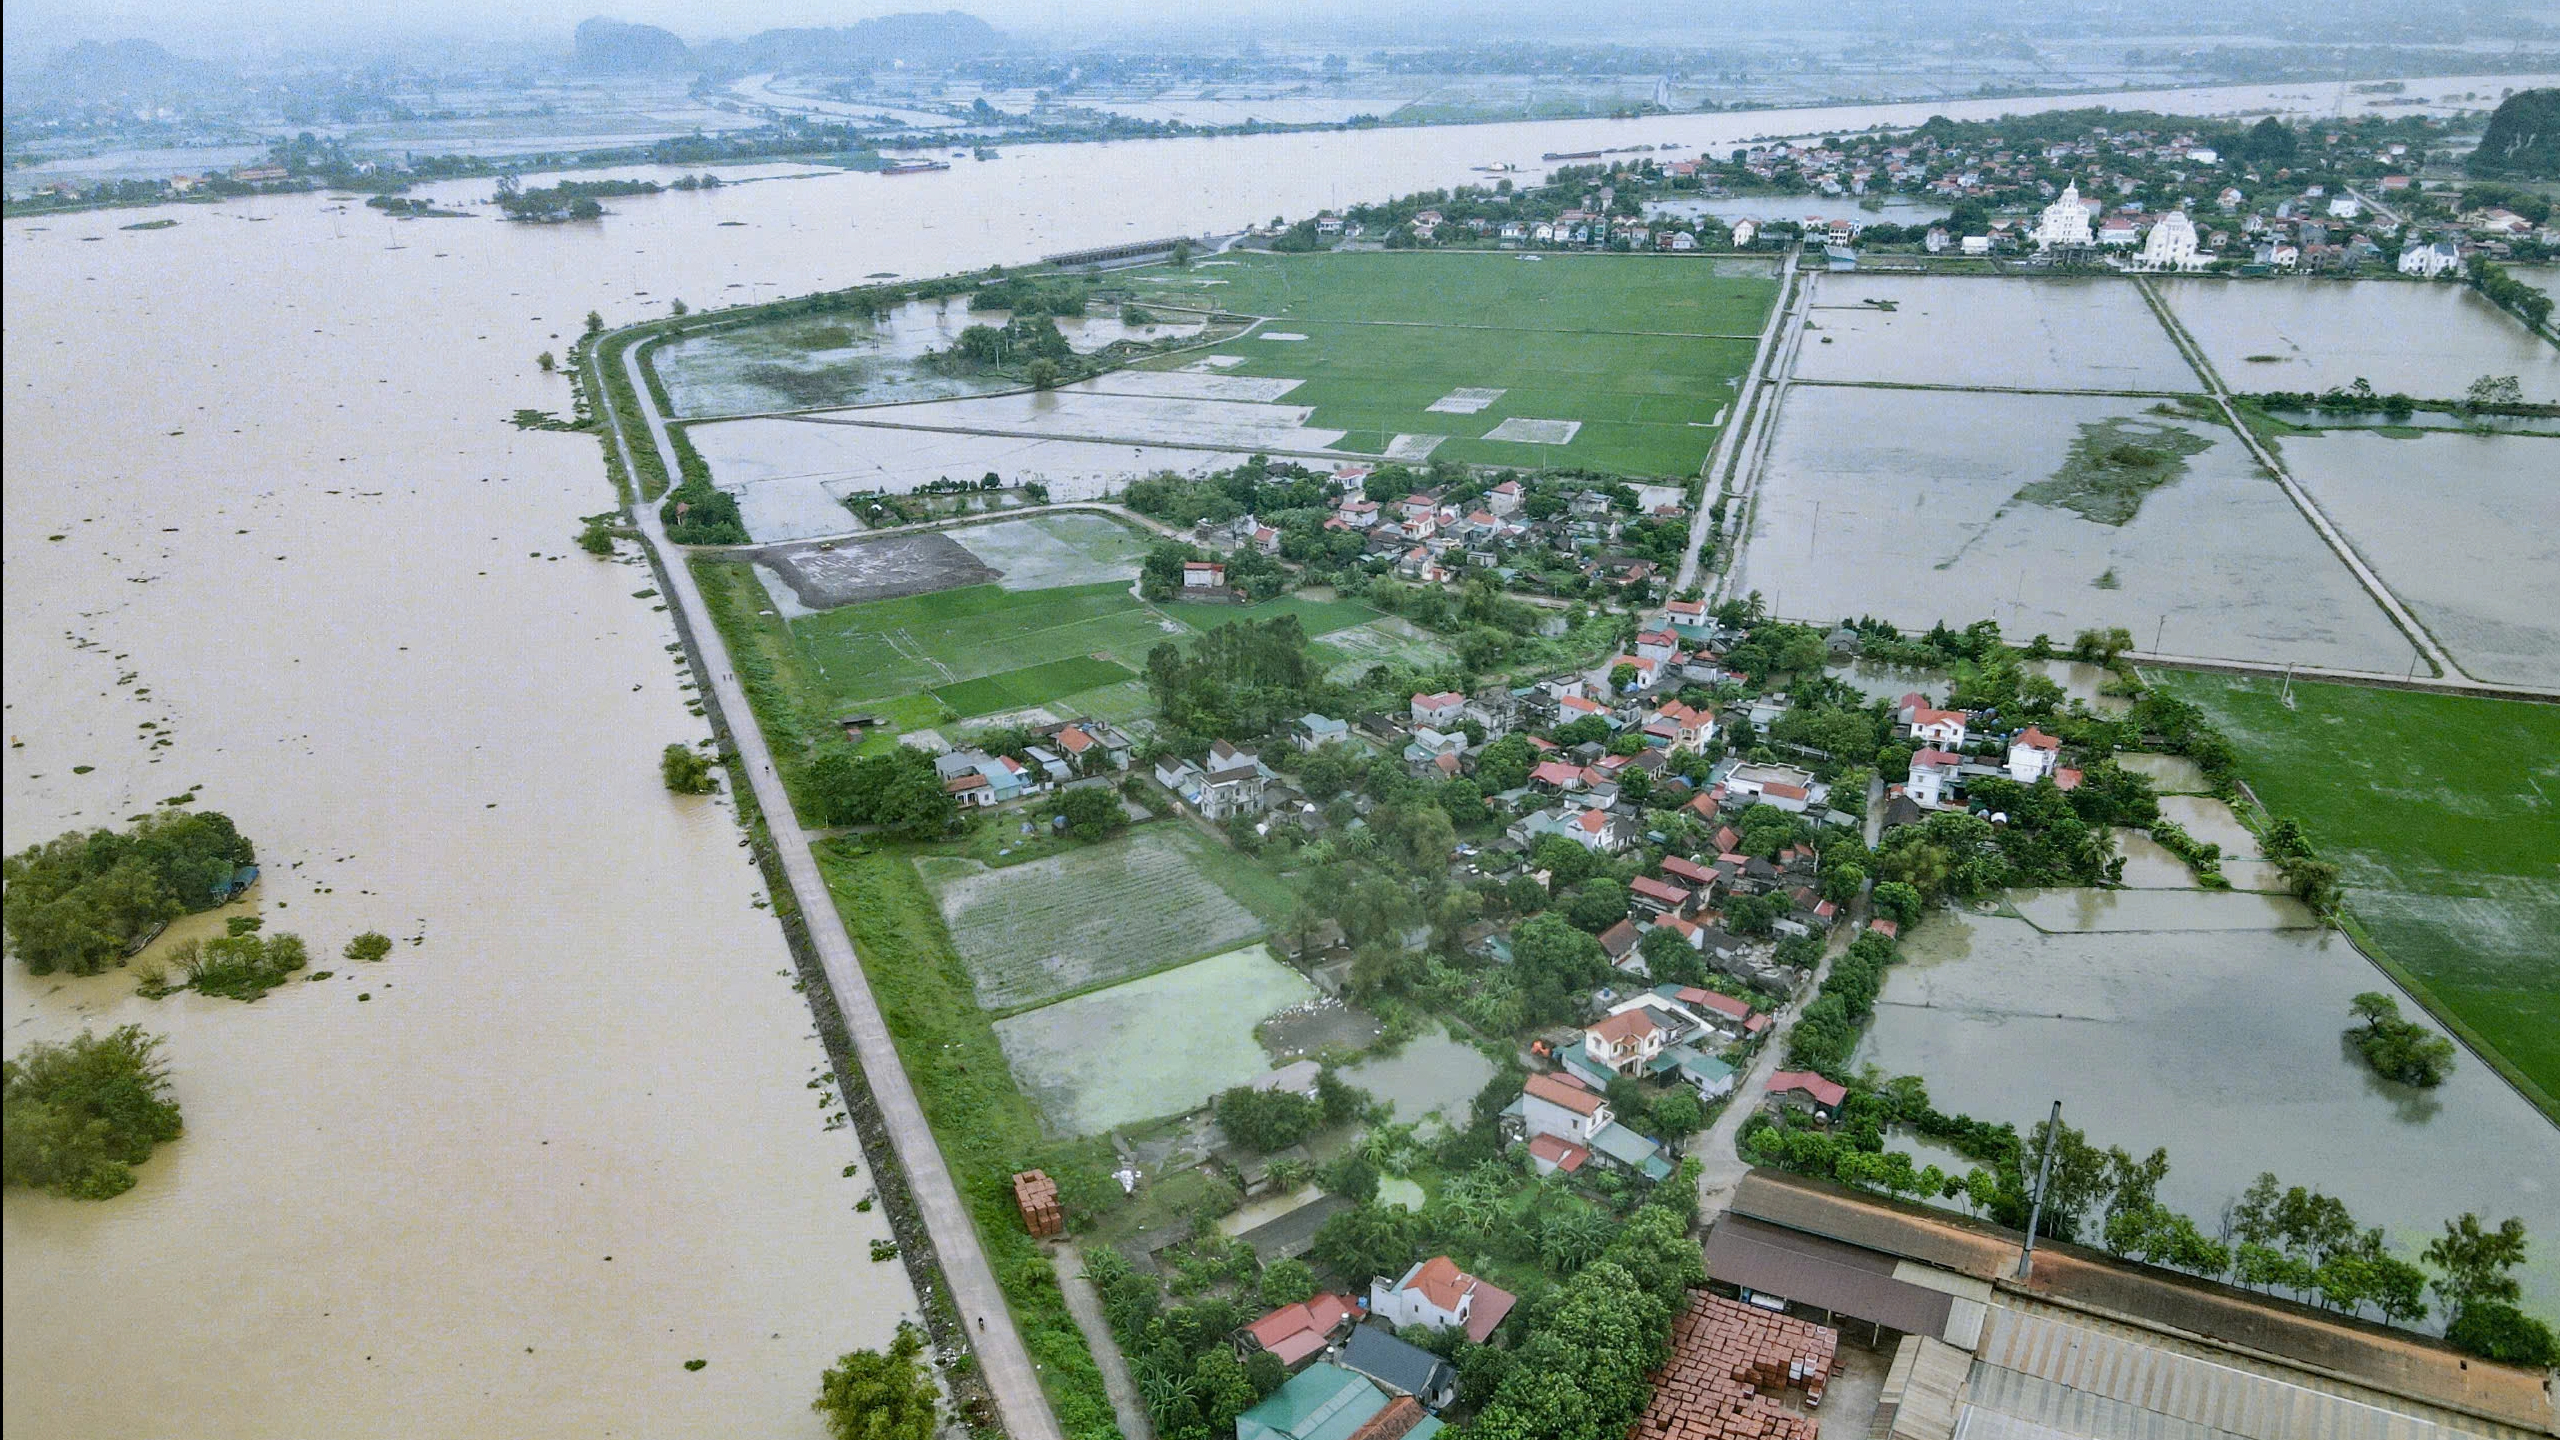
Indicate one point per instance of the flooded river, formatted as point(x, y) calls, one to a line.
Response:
point(511, 1179)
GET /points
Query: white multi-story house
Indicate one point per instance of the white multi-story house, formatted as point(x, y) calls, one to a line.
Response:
point(2430, 261)
point(1554, 1105)
point(2032, 755)
point(1933, 774)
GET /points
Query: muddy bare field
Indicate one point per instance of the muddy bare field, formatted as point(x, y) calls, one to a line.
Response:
point(846, 572)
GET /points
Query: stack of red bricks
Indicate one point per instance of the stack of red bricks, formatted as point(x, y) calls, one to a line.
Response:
point(1724, 1354)
point(1036, 1195)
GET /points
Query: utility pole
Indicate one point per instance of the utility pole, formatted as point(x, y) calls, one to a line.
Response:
point(2044, 1172)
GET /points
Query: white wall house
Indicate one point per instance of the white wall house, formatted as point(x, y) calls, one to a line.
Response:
point(2032, 755)
point(1933, 775)
point(1554, 1106)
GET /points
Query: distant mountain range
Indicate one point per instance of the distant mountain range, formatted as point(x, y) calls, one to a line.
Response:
point(611, 47)
point(121, 70)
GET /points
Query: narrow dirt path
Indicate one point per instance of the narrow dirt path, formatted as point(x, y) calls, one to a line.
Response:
point(1086, 1305)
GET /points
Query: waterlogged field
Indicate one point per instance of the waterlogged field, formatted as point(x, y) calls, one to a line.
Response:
point(2224, 1047)
point(808, 362)
point(1157, 1046)
point(1921, 507)
point(2482, 568)
point(2441, 809)
point(1633, 359)
point(1046, 928)
point(1039, 552)
point(843, 457)
point(2059, 334)
point(2429, 341)
point(1430, 1079)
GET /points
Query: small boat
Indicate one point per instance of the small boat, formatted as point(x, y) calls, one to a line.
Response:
point(914, 167)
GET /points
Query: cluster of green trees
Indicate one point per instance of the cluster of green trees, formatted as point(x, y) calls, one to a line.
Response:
point(1247, 569)
point(78, 901)
point(1030, 295)
point(1268, 1120)
point(869, 1395)
point(1092, 813)
point(568, 200)
point(697, 512)
point(896, 790)
point(243, 964)
point(687, 771)
point(1244, 678)
point(1582, 1372)
point(1829, 1028)
point(1182, 1356)
point(2398, 1049)
point(79, 1116)
point(1282, 493)
point(2506, 291)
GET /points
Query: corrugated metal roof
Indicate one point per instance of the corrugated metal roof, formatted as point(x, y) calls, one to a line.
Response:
point(1840, 1278)
point(2091, 1379)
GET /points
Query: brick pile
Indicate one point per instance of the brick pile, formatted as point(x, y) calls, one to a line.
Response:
point(1036, 1195)
point(1724, 1354)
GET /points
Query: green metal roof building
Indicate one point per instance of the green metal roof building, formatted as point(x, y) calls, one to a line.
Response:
point(1322, 1402)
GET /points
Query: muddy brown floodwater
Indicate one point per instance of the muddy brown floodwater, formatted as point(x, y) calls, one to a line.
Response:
point(260, 494)
point(2185, 1026)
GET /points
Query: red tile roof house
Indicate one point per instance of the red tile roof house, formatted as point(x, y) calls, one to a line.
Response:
point(1296, 1333)
point(1708, 1002)
point(1203, 575)
point(1551, 1153)
point(1437, 1294)
point(1439, 711)
point(1804, 1089)
point(1685, 871)
point(1656, 896)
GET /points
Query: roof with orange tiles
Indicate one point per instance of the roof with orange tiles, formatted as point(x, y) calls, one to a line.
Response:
point(1563, 1095)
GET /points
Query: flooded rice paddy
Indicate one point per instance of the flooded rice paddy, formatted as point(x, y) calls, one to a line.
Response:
point(2224, 1046)
point(2059, 334)
point(2482, 568)
point(1429, 1082)
point(811, 363)
point(1905, 504)
point(1156, 1046)
point(2429, 341)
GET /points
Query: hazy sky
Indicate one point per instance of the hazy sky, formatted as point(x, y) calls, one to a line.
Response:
point(259, 25)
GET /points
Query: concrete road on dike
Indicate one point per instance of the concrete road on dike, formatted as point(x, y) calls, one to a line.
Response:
point(979, 1300)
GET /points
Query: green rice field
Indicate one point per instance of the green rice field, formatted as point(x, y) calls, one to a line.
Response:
point(1031, 685)
point(1094, 915)
point(2441, 811)
point(1644, 352)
